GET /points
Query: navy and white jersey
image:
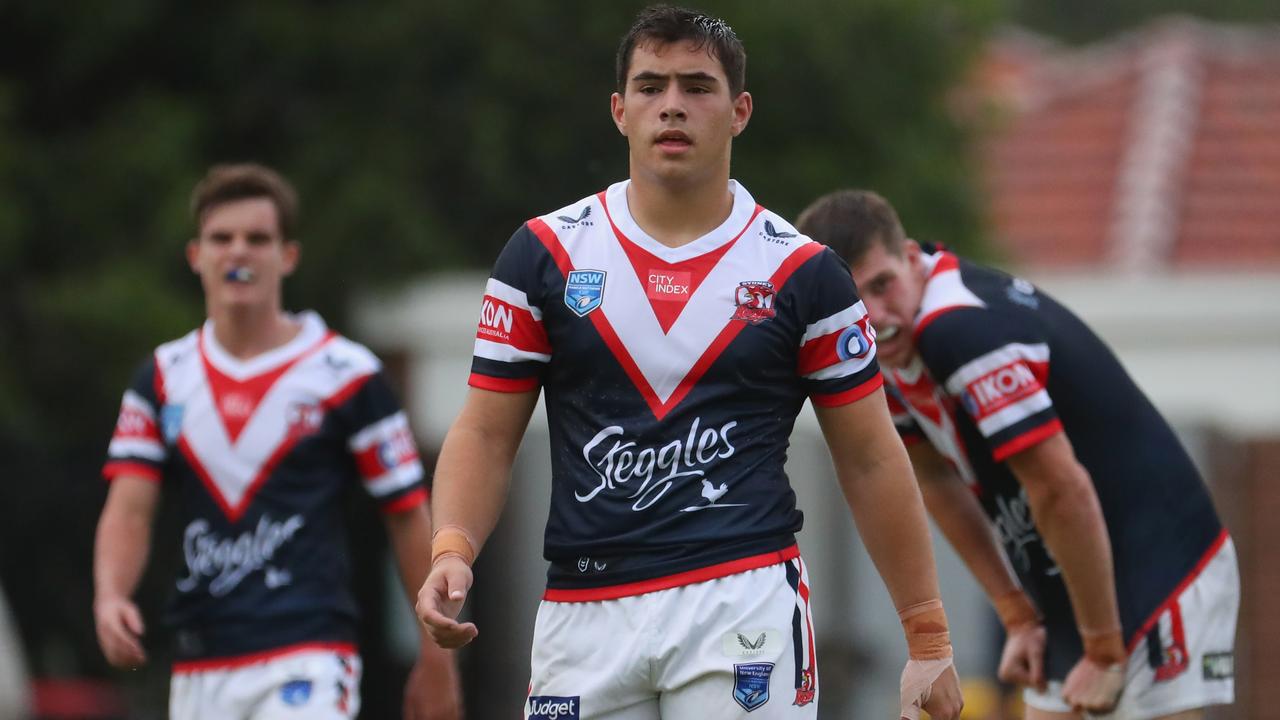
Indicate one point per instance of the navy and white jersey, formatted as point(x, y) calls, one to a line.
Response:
point(260, 451)
point(1001, 367)
point(673, 377)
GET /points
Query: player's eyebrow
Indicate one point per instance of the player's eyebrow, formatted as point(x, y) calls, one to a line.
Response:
point(650, 76)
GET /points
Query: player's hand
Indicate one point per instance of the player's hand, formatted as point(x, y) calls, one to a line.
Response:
point(1022, 662)
point(1093, 687)
point(432, 691)
point(441, 599)
point(933, 685)
point(120, 628)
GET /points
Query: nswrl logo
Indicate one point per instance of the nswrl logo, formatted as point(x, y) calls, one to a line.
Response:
point(584, 291)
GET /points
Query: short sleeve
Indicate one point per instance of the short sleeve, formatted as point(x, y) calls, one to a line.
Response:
point(997, 370)
point(511, 347)
point(837, 354)
point(386, 455)
point(137, 447)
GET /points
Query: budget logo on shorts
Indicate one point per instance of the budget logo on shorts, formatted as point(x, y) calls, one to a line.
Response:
point(554, 707)
point(584, 291)
point(751, 684)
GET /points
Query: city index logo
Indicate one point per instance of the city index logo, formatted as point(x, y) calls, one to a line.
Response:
point(496, 318)
point(999, 388)
point(554, 707)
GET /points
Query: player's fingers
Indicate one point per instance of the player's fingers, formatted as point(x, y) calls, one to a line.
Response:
point(1035, 670)
point(132, 618)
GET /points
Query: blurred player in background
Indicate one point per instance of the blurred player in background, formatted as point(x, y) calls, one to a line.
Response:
point(258, 419)
point(1010, 404)
point(677, 328)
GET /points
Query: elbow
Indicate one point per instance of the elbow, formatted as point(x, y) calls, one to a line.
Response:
point(1064, 493)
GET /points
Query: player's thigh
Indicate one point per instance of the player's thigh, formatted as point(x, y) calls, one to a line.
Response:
point(591, 660)
point(322, 685)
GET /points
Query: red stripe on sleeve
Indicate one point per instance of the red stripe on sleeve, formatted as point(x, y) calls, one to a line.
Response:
point(1027, 439)
point(851, 395)
point(497, 384)
point(504, 323)
point(408, 501)
point(121, 468)
point(819, 353)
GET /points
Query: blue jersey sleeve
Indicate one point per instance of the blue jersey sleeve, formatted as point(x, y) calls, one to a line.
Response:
point(837, 355)
point(382, 444)
point(511, 347)
point(138, 447)
point(997, 370)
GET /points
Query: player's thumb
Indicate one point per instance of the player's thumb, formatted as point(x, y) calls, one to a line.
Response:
point(456, 587)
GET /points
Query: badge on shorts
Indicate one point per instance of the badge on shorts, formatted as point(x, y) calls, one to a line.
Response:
point(296, 692)
point(1219, 665)
point(751, 684)
point(584, 291)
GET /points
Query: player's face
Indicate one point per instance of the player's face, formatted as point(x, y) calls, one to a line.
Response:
point(240, 254)
point(678, 114)
point(892, 287)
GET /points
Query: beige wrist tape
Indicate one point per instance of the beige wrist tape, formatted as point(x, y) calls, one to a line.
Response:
point(1104, 646)
point(452, 541)
point(925, 624)
point(1015, 610)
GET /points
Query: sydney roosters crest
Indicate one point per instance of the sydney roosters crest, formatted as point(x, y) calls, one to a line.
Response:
point(754, 299)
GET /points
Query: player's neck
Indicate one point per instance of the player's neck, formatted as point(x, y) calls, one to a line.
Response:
point(678, 215)
point(248, 331)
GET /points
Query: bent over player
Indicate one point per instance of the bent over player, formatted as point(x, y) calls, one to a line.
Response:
point(676, 328)
point(258, 419)
point(1132, 579)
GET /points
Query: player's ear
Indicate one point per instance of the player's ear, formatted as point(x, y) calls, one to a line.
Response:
point(193, 255)
point(291, 250)
point(618, 112)
point(742, 106)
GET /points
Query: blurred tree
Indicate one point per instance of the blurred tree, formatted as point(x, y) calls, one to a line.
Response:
point(420, 136)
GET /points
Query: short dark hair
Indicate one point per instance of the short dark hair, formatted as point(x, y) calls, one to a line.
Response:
point(851, 221)
point(244, 181)
point(665, 24)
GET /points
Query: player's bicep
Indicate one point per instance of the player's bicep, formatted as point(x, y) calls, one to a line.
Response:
point(132, 496)
point(860, 434)
point(496, 419)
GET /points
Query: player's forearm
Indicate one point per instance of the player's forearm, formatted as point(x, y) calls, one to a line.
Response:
point(410, 534)
point(471, 480)
point(962, 521)
point(1070, 521)
point(890, 518)
point(120, 551)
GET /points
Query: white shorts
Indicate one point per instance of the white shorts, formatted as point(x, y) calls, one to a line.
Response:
point(732, 647)
point(1194, 665)
point(306, 681)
